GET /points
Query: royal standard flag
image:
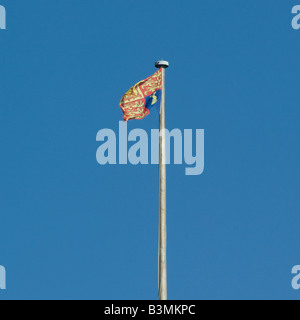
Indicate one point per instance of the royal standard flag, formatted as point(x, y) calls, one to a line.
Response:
point(142, 97)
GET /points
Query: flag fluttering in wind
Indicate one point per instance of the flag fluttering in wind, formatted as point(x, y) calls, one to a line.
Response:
point(142, 97)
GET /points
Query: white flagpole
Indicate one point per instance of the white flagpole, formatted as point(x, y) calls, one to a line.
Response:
point(162, 232)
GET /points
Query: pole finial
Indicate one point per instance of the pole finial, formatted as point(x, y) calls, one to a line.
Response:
point(162, 64)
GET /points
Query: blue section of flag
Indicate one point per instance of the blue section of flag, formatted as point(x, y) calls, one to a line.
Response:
point(153, 101)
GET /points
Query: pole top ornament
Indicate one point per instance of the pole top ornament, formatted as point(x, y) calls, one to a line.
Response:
point(162, 64)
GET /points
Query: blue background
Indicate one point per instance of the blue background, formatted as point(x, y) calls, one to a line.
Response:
point(72, 229)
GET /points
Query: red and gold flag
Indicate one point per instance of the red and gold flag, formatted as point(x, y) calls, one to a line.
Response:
point(142, 97)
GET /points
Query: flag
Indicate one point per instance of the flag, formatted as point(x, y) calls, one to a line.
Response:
point(142, 97)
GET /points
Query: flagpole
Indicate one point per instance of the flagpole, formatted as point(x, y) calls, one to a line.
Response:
point(162, 226)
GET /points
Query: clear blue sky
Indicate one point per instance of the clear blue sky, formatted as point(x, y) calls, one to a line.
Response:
point(72, 229)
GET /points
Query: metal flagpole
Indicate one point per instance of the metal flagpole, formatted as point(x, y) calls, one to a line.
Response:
point(162, 226)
